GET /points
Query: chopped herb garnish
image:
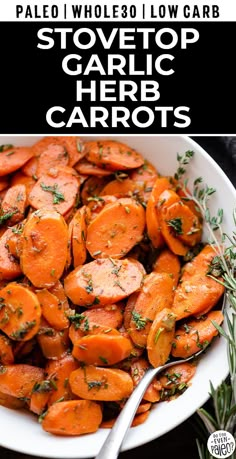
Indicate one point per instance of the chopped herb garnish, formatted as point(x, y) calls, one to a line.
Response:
point(103, 359)
point(76, 319)
point(158, 333)
point(140, 322)
point(5, 147)
point(94, 384)
point(23, 330)
point(6, 217)
point(57, 195)
point(176, 225)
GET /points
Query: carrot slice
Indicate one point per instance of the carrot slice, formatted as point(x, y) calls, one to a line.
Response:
point(92, 188)
point(153, 222)
point(52, 310)
point(183, 224)
point(44, 247)
point(21, 179)
point(138, 370)
point(56, 191)
point(177, 375)
point(103, 281)
point(58, 371)
point(14, 203)
point(18, 380)
point(102, 349)
point(138, 418)
point(53, 156)
point(30, 168)
point(20, 312)
point(168, 262)
point(121, 188)
point(54, 344)
point(86, 168)
point(110, 316)
point(14, 158)
point(39, 397)
point(73, 146)
point(58, 290)
point(107, 236)
point(79, 235)
point(160, 337)
point(97, 203)
point(104, 384)
point(11, 402)
point(195, 334)
point(6, 353)
point(112, 155)
point(73, 417)
point(9, 266)
point(155, 295)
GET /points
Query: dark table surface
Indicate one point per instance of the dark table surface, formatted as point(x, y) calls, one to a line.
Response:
point(180, 442)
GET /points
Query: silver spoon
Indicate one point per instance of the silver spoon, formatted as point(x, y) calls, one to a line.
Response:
point(112, 445)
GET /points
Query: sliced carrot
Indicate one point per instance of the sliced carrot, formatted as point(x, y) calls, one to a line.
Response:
point(103, 281)
point(73, 146)
point(201, 262)
point(138, 370)
point(92, 188)
point(84, 327)
point(39, 397)
point(18, 380)
point(52, 310)
point(11, 402)
point(115, 237)
point(9, 266)
point(54, 344)
point(14, 203)
point(53, 156)
point(79, 235)
point(14, 158)
point(96, 204)
point(153, 222)
point(30, 168)
point(128, 309)
point(121, 188)
point(138, 419)
point(143, 407)
point(20, 312)
point(145, 174)
point(177, 375)
point(58, 290)
point(196, 334)
point(57, 191)
point(182, 223)
point(73, 417)
point(21, 179)
point(110, 315)
point(86, 168)
point(6, 352)
point(112, 155)
point(58, 372)
point(189, 202)
point(104, 384)
point(102, 349)
point(44, 247)
point(168, 262)
point(160, 337)
point(155, 295)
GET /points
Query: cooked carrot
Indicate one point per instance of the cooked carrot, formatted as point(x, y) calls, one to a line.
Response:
point(189, 202)
point(115, 237)
point(102, 349)
point(153, 221)
point(23, 349)
point(6, 352)
point(197, 293)
point(84, 167)
point(54, 344)
point(129, 308)
point(73, 146)
point(4, 182)
point(195, 334)
point(58, 372)
point(79, 235)
point(110, 316)
point(18, 380)
point(104, 384)
point(177, 375)
point(19, 313)
point(182, 223)
point(160, 337)
point(121, 188)
point(138, 370)
point(58, 290)
point(14, 203)
point(138, 419)
point(92, 188)
point(52, 310)
point(103, 281)
point(168, 262)
point(52, 157)
point(44, 247)
point(155, 295)
point(143, 407)
point(30, 168)
point(73, 417)
point(96, 204)
point(112, 155)
point(9, 266)
point(84, 327)
point(57, 191)
point(39, 397)
point(13, 158)
point(21, 179)
point(11, 402)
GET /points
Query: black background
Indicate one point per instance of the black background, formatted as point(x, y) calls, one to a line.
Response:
point(180, 442)
point(32, 80)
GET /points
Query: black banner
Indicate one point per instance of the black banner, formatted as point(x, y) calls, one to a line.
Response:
point(39, 96)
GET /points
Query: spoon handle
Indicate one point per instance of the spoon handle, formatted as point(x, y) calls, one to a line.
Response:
point(113, 442)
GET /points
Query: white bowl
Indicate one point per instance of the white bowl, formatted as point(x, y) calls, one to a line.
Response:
point(21, 431)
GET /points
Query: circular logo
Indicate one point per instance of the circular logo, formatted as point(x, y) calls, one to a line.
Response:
point(221, 444)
